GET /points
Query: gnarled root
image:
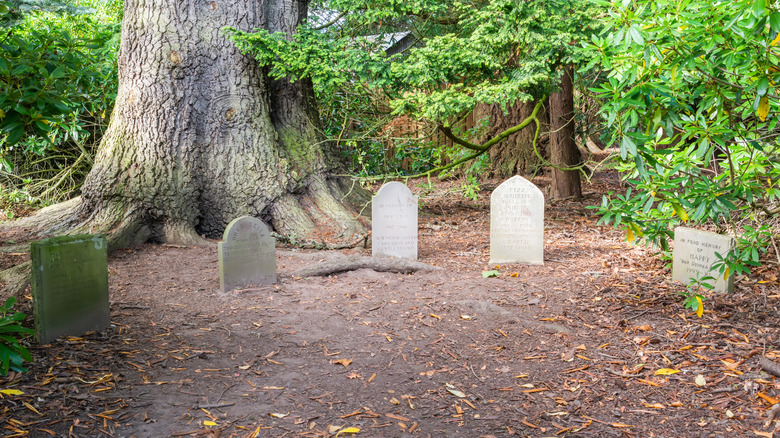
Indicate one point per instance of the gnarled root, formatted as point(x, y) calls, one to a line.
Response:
point(51, 221)
point(121, 226)
point(15, 279)
point(350, 263)
point(317, 215)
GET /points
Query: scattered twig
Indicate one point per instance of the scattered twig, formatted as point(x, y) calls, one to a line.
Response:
point(771, 414)
point(197, 354)
point(627, 376)
point(637, 316)
point(726, 389)
point(777, 252)
point(769, 366)
point(189, 432)
point(475, 374)
point(384, 303)
point(133, 306)
point(215, 405)
point(644, 411)
point(223, 328)
point(224, 391)
point(607, 355)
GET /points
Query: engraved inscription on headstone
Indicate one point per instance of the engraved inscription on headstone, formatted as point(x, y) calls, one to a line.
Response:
point(694, 254)
point(517, 223)
point(394, 222)
point(247, 254)
point(69, 286)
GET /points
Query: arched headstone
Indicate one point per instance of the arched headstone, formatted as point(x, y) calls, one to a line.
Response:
point(517, 223)
point(247, 254)
point(394, 222)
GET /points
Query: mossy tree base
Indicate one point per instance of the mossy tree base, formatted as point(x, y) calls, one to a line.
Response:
point(199, 135)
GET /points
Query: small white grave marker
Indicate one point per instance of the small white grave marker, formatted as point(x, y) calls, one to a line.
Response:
point(517, 223)
point(694, 254)
point(247, 254)
point(394, 222)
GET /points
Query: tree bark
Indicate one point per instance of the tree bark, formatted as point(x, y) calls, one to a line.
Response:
point(563, 147)
point(199, 135)
point(515, 155)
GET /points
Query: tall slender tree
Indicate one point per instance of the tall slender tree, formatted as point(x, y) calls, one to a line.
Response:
point(563, 149)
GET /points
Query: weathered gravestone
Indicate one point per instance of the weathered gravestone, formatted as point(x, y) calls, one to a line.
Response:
point(394, 222)
point(69, 286)
point(694, 254)
point(247, 254)
point(517, 223)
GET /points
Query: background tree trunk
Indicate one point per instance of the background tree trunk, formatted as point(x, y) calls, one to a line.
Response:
point(200, 136)
point(515, 155)
point(563, 148)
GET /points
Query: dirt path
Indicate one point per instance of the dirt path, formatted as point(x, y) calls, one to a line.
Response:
point(570, 348)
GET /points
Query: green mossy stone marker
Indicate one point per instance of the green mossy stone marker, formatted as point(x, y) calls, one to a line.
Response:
point(69, 286)
point(247, 255)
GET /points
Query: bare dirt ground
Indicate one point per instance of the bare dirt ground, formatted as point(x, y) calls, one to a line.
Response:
point(572, 348)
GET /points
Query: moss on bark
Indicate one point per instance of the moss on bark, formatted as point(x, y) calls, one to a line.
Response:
point(199, 136)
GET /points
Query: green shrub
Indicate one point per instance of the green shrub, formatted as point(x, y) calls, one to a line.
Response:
point(691, 99)
point(12, 353)
point(59, 78)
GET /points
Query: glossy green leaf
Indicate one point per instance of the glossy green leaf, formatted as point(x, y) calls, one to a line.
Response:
point(762, 86)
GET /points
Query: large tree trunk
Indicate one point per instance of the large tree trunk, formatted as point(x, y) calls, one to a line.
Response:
point(200, 136)
point(515, 155)
point(563, 148)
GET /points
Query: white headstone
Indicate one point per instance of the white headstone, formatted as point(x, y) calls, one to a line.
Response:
point(694, 254)
point(394, 222)
point(247, 254)
point(517, 223)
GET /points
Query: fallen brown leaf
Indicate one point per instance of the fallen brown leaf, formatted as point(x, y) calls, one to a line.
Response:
point(344, 362)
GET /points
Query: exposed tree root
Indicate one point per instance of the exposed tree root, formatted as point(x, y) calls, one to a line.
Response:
point(14, 248)
point(50, 221)
point(360, 241)
point(179, 233)
point(15, 279)
point(318, 215)
point(123, 226)
point(354, 262)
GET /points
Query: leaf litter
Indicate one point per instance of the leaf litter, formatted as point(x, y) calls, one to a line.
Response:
point(594, 343)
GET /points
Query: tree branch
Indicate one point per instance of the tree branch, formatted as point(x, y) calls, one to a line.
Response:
point(730, 84)
point(447, 131)
point(495, 140)
point(502, 136)
point(331, 22)
point(479, 149)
